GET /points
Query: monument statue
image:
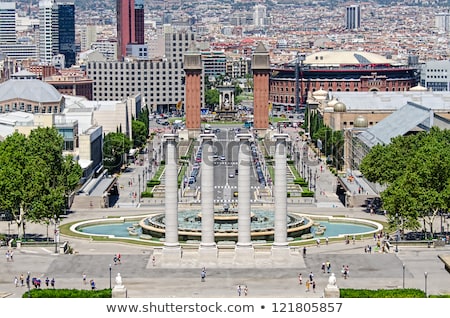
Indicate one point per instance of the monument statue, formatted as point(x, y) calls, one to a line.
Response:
point(332, 280)
point(118, 280)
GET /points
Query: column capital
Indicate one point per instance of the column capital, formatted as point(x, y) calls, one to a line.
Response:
point(170, 137)
point(244, 137)
point(280, 137)
point(207, 137)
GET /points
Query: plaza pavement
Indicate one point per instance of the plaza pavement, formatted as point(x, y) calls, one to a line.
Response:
point(263, 277)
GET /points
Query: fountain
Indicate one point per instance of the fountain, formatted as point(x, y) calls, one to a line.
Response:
point(226, 225)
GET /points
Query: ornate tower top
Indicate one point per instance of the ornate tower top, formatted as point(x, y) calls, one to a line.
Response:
point(260, 58)
point(192, 58)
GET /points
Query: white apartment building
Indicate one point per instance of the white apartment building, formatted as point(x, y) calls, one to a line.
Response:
point(160, 82)
point(48, 30)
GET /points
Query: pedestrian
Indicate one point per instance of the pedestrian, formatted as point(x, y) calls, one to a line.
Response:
point(16, 281)
point(119, 258)
point(203, 274)
point(318, 242)
point(304, 251)
point(300, 279)
point(115, 259)
point(11, 254)
point(52, 282)
point(307, 284)
point(326, 240)
point(154, 260)
point(245, 290)
point(47, 281)
point(314, 286)
point(92, 284)
point(239, 290)
point(21, 280)
point(323, 268)
point(328, 264)
point(84, 278)
point(311, 276)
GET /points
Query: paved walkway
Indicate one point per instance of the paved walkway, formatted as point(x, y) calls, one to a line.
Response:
point(263, 277)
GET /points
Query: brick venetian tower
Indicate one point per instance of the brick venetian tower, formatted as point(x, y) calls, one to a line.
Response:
point(261, 71)
point(192, 65)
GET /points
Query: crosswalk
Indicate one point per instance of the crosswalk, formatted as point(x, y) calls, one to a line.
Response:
point(233, 187)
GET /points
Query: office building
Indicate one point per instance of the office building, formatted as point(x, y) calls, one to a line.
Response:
point(66, 33)
point(442, 21)
point(353, 17)
point(435, 75)
point(48, 30)
point(125, 26)
point(139, 21)
point(7, 22)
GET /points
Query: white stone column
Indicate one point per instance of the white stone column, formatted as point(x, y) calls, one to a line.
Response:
point(172, 249)
point(244, 249)
point(280, 195)
point(208, 248)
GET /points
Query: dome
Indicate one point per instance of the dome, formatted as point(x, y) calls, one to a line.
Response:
point(360, 122)
point(340, 107)
point(320, 94)
point(29, 89)
point(418, 88)
point(332, 102)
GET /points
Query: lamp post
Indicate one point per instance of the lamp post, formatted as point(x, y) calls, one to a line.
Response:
point(56, 234)
point(28, 284)
point(403, 285)
point(396, 234)
point(139, 187)
point(109, 276)
point(426, 291)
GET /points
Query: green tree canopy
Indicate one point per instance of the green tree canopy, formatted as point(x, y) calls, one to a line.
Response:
point(140, 133)
point(35, 177)
point(116, 147)
point(416, 172)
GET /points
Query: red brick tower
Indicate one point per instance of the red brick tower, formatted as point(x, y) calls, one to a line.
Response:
point(193, 71)
point(261, 71)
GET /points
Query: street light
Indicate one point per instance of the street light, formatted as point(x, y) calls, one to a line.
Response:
point(56, 234)
point(426, 291)
point(403, 285)
point(396, 234)
point(109, 276)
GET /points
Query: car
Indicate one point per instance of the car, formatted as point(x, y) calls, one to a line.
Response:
point(231, 175)
point(222, 158)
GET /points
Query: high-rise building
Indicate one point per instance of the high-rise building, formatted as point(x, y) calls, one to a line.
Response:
point(126, 26)
point(7, 22)
point(442, 21)
point(66, 32)
point(353, 17)
point(139, 21)
point(260, 15)
point(48, 30)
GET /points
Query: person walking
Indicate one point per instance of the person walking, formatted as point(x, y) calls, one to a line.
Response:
point(22, 280)
point(314, 286)
point(239, 290)
point(92, 282)
point(311, 276)
point(304, 251)
point(203, 274)
point(84, 279)
point(300, 279)
point(52, 282)
point(245, 290)
point(16, 281)
point(47, 281)
point(307, 284)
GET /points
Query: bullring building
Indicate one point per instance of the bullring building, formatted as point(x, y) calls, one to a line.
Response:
point(338, 71)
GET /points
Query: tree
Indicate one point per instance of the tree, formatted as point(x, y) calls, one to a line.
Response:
point(115, 148)
point(140, 133)
point(212, 97)
point(34, 176)
point(416, 172)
